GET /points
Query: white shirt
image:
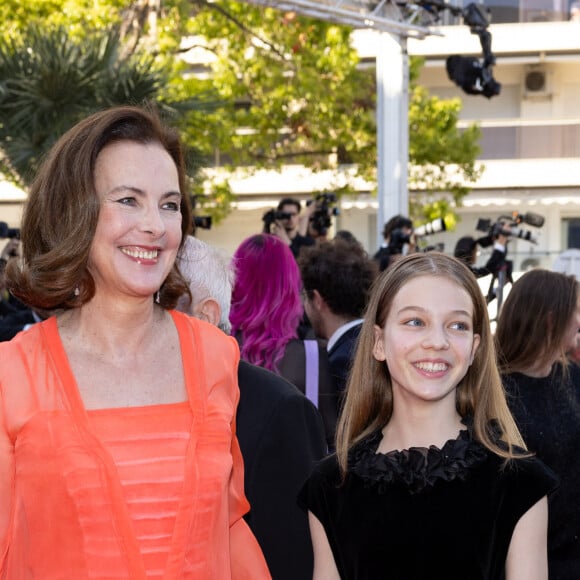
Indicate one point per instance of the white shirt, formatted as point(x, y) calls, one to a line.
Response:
point(340, 331)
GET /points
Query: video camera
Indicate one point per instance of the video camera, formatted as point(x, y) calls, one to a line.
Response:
point(271, 216)
point(325, 209)
point(6, 232)
point(512, 230)
point(473, 75)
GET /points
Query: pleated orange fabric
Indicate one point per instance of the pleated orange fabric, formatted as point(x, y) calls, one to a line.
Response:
point(68, 496)
point(148, 446)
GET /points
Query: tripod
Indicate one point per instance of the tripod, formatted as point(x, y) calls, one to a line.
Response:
point(501, 276)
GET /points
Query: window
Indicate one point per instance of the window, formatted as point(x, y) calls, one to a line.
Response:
point(571, 233)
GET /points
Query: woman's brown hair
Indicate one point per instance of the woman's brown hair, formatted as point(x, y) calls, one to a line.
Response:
point(62, 210)
point(369, 398)
point(534, 320)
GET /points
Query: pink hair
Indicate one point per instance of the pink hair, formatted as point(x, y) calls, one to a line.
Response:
point(266, 305)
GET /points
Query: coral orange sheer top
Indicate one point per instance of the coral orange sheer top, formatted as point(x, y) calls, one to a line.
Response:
point(144, 492)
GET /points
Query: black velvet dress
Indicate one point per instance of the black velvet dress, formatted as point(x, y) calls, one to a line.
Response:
point(424, 513)
point(547, 411)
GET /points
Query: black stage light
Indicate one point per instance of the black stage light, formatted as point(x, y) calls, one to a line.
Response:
point(472, 76)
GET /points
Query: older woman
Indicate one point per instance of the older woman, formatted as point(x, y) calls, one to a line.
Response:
point(118, 454)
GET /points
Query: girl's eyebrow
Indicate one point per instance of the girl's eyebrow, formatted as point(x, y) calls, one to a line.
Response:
point(458, 312)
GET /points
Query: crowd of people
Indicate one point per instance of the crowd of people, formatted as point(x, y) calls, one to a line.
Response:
point(298, 410)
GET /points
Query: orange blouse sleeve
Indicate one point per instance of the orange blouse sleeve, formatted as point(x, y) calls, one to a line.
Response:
point(6, 481)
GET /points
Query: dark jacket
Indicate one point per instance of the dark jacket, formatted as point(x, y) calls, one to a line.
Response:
point(292, 367)
point(281, 437)
point(341, 355)
point(13, 322)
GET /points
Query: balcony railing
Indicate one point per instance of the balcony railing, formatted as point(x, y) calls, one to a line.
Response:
point(506, 11)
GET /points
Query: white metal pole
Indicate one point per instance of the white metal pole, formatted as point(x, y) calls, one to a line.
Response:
point(392, 128)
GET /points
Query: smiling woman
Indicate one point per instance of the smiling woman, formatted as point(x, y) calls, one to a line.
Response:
point(430, 478)
point(118, 453)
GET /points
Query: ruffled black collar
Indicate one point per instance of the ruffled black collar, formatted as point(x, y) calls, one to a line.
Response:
point(416, 468)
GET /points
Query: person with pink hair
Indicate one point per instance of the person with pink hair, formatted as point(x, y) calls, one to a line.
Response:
point(265, 313)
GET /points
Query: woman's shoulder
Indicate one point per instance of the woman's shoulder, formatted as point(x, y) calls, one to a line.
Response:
point(28, 345)
point(210, 356)
point(29, 374)
point(203, 333)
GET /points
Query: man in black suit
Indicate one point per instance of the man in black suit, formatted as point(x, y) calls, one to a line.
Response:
point(280, 431)
point(337, 277)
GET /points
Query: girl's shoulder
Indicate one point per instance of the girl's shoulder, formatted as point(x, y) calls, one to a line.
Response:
point(530, 471)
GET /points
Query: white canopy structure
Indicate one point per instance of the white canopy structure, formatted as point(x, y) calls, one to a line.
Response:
point(383, 15)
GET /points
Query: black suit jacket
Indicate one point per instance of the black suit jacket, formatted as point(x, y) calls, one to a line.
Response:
point(340, 357)
point(281, 437)
point(14, 322)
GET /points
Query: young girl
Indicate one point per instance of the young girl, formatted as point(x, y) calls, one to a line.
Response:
point(430, 478)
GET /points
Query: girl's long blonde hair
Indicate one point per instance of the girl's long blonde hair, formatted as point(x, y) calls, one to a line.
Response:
point(369, 397)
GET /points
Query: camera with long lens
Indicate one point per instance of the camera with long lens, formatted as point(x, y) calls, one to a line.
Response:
point(509, 226)
point(10, 233)
point(273, 215)
point(401, 234)
point(432, 227)
point(321, 219)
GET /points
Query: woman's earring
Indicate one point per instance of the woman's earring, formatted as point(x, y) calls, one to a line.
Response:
point(157, 299)
point(77, 291)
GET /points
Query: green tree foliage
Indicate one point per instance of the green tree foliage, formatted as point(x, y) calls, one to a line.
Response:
point(284, 89)
point(49, 81)
point(296, 93)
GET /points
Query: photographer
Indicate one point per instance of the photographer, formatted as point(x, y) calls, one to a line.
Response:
point(466, 251)
point(289, 226)
point(398, 240)
point(319, 213)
